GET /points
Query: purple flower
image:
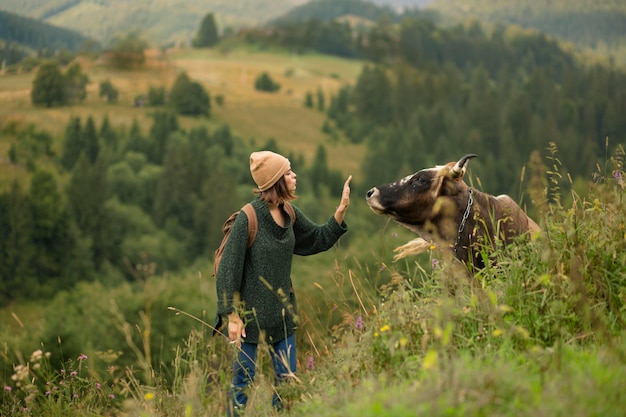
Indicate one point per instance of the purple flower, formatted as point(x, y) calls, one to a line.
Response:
point(435, 263)
point(75, 396)
point(111, 396)
point(82, 357)
point(310, 365)
point(98, 385)
point(73, 373)
point(359, 323)
point(7, 388)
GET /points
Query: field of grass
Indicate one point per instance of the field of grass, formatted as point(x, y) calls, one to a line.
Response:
point(253, 115)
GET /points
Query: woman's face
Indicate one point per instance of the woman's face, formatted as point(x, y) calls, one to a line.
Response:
point(290, 179)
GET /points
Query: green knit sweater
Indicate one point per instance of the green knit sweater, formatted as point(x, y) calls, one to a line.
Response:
point(261, 276)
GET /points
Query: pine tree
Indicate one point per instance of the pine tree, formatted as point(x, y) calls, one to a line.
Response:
point(51, 233)
point(91, 140)
point(108, 135)
point(321, 100)
point(165, 123)
point(73, 143)
point(17, 277)
point(87, 192)
point(207, 35)
point(319, 171)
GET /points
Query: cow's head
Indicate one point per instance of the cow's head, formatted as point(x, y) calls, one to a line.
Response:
point(419, 200)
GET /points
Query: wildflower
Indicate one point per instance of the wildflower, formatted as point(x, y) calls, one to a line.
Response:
point(148, 396)
point(111, 396)
point(82, 357)
point(7, 388)
point(73, 373)
point(75, 395)
point(385, 328)
point(435, 263)
point(310, 365)
point(359, 323)
point(98, 386)
point(36, 355)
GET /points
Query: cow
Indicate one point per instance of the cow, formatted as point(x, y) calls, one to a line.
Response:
point(440, 207)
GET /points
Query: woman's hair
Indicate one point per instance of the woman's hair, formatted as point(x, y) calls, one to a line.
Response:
point(277, 193)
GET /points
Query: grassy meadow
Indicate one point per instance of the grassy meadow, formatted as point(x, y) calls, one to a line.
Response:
point(253, 115)
point(538, 332)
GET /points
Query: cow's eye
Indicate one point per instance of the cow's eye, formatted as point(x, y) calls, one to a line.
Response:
point(422, 180)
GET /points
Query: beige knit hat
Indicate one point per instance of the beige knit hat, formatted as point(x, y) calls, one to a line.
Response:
point(267, 168)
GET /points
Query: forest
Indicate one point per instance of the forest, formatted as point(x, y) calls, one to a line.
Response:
point(21, 35)
point(106, 209)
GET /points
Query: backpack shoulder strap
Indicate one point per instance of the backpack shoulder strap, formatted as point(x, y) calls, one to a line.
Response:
point(292, 213)
point(253, 224)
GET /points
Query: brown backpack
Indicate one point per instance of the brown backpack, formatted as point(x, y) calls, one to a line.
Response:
point(253, 226)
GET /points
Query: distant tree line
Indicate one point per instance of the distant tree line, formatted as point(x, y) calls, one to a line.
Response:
point(128, 200)
point(428, 91)
point(40, 36)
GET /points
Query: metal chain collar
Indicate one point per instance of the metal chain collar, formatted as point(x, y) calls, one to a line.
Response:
point(470, 201)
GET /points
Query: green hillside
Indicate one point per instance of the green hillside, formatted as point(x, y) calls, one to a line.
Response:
point(589, 24)
point(161, 21)
point(39, 36)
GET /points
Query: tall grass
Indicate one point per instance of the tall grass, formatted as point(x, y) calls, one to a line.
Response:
point(538, 332)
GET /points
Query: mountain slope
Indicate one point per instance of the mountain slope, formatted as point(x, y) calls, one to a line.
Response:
point(585, 23)
point(161, 21)
point(19, 35)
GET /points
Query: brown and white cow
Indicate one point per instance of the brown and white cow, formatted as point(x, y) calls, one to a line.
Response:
point(439, 206)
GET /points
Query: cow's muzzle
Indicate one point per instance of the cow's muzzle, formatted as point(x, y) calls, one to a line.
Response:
point(373, 200)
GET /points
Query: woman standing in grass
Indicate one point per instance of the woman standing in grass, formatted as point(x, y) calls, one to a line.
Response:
point(254, 290)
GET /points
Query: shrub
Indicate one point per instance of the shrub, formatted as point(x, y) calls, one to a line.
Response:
point(156, 96)
point(189, 97)
point(265, 83)
point(108, 91)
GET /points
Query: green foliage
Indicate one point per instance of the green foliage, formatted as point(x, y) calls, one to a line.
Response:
point(48, 86)
point(156, 96)
point(587, 24)
point(75, 84)
point(265, 83)
point(73, 143)
point(189, 97)
point(108, 91)
point(52, 88)
point(308, 100)
point(34, 34)
point(73, 391)
point(127, 51)
point(207, 34)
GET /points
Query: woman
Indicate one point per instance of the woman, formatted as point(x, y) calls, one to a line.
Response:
point(254, 289)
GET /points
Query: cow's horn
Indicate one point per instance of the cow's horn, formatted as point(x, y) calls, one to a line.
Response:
point(459, 168)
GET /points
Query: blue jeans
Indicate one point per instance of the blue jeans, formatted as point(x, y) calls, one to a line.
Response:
point(283, 356)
